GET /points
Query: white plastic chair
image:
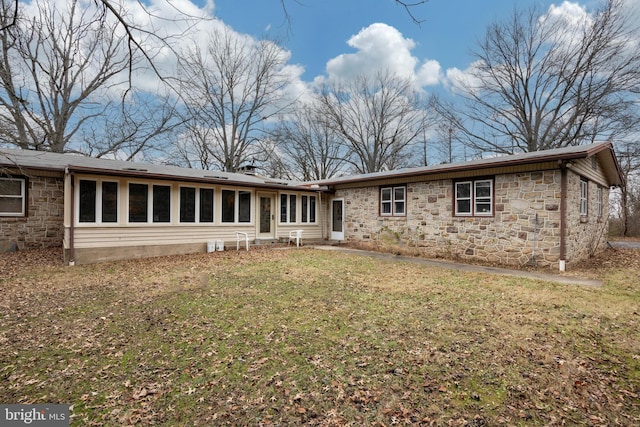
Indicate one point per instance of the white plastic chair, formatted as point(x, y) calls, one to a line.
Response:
point(295, 235)
point(240, 236)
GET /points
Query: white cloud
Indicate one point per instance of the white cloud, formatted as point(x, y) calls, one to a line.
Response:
point(381, 47)
point(463, 80)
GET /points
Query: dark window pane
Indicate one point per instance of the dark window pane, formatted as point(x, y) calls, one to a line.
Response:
point(312, 209)
point(399, 208)
point(10, 187)
point(244, 206)
point(187, 204)
point(283, 208)
point(292, 208)
point(109, 202)
point(386, 208)
point(138, 196)
point(385, 195)
point(10, 205)
point(463, 190)
point(161, 203)
point(87, 204)
point(305, 207)
point(463, 206)
point(206, 205)
point(483, 189)
point(398, 193)
point(228, 206)
point(483, 207)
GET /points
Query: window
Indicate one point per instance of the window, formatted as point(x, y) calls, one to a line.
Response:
point(599, 202)
point(283, 207)
point(187, 204)
point(138, 202)
point(312, 209)
point(308, 207)
point(87, 202)
point(233, 202)
point(109, 201)
point(161, 203)
point(244, 206)
point(206, 205)
point(393, 201)
point(584, 186)
point(474, 198)
point(292, 208)
point(483, 197)
point(289, 208)
point(97, 201)
point(192, 201)
point(12, 197)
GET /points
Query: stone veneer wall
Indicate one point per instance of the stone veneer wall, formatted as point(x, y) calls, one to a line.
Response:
point(43, 225)
point(585, 235)
point(527, 217)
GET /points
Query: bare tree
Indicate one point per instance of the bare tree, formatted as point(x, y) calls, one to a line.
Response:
point(408, 6)
point(308, 146)
point(540, 82)
point(229, 89)
point(379, 119)
point(143, 126)
point(626, 219)
point(59, 73)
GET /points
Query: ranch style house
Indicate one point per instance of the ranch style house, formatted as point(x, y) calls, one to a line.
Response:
point(550, 207)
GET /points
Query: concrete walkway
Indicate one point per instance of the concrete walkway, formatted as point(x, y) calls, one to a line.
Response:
point(624, 244)
point(547, 277)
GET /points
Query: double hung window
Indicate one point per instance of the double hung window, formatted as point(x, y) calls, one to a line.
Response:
point(474, 198)
point(13, 197)
point(393, 201)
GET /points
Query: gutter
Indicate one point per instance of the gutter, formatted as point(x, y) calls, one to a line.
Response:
point(205, 179)
point(563, 214)
point(72, 220)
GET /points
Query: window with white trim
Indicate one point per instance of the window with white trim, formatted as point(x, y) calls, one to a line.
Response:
point(393, 201)
point(196, 204)
point(97, 201)
point(138, 202)
point(584, 197)
point(308, 209)
point(13, 197)
point(474, 198)
point(236, 206)
point(599, 202)
point(144, 198)
point(288, 208)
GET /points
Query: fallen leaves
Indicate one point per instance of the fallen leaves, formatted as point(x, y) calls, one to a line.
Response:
point(306, 337)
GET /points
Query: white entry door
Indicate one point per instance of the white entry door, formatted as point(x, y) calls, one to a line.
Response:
point(337, 219)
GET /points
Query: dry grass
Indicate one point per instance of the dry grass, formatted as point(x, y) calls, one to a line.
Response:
point(318, 338)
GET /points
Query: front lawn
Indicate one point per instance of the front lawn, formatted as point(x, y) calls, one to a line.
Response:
point(318, 338)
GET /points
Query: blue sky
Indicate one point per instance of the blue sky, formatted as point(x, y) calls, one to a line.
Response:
point(319, 29)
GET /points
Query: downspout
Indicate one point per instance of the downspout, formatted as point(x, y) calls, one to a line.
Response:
point(72, 252)
point(322, 220)
point(563, 214)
